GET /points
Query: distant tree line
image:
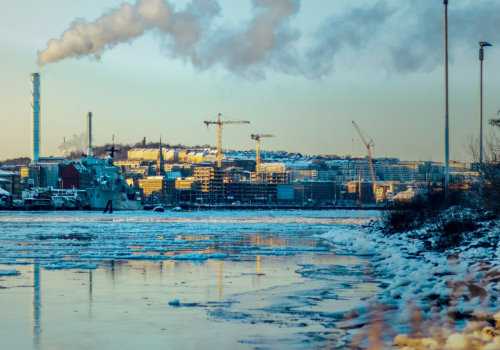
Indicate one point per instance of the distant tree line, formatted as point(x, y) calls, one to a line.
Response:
point(16, 161)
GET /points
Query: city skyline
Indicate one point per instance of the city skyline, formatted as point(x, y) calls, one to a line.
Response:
point(304, 78)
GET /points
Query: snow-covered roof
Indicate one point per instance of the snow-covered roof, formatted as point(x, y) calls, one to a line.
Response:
point(6, 173)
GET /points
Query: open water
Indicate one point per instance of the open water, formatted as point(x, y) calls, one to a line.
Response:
point(178, 280)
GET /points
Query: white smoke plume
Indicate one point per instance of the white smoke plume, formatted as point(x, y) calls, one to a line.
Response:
point(264, 41)
point(186, 32)
point(76, 143)
point(404, 36)
point(128, 22)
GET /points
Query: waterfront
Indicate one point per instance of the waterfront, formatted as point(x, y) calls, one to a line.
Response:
point(244, 279)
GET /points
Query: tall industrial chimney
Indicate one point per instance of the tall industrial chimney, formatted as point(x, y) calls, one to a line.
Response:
point(89, 134)
point(35, 107)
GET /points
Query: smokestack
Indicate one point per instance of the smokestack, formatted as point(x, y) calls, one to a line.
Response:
point(35, 108)
point(89, 134)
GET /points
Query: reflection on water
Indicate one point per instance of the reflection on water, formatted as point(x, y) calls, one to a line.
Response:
point(89, 282)
point(219, 279)
point(35, 313)
point(260, 301)
point(278, 285)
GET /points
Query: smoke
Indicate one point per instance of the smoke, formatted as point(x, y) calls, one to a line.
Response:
point(265, 41)
point(128, 22)
point(419, 43)
point(353, 29)
point(240, 50)
point(75, 143)
point(401, 37)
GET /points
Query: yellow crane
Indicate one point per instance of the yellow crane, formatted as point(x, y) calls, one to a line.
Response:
point(219, 124)
point(257, 138)
point(368, 144)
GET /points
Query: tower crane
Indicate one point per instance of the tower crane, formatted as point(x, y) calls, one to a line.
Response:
point(368, 144)
point(219, 124)
point(257, 138)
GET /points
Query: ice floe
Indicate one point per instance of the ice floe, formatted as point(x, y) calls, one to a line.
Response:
point(9, 272)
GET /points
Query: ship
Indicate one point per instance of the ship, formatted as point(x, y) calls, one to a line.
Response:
point(108, 190)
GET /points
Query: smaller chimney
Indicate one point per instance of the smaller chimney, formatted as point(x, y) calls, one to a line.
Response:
point(35, 109)
point(89, 134)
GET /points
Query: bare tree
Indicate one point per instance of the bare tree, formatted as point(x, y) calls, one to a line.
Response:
point(491, 169)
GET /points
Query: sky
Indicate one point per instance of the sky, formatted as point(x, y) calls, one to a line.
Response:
point(301, 70)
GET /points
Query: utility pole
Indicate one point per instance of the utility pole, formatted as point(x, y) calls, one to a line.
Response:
point(481, 58)
point(446, 116)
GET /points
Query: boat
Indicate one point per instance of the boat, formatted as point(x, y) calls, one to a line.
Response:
point(108, 189)
point(68, 198)
point(159, 209)
point(5, 199)
point(38, 198)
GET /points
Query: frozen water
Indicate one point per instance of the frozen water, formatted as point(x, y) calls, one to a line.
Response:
point(9, 272)
point(221, 279)
point(54, 238)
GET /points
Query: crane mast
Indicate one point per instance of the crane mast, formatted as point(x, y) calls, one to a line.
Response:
point(219, 124)
point(368, 144)
point(257, 138)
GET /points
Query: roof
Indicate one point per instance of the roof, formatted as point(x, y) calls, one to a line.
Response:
point(7, 173)
point(4, 192)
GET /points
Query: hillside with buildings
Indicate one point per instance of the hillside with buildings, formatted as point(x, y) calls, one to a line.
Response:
point(182, 175)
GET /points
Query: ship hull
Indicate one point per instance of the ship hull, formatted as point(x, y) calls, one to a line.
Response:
point(99, 199)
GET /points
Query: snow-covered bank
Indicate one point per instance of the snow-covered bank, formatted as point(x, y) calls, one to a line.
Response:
point(431, 290)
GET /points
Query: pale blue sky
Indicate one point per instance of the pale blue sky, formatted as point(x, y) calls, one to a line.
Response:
point(376, 62)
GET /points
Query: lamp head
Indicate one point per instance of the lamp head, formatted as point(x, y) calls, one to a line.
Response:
point(484, 43)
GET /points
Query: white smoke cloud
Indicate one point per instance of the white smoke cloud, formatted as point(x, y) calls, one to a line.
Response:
point(402, 36)
point(353, 29)
point(128, 22)
point(263, 42)
point(419, 44)
point(187, 34)
point(76, 143)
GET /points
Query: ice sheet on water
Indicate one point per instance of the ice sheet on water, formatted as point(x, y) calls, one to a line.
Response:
point(56, 238)
point(296, 249)
point(9, 272)
point(351, 238)
point(69, 265)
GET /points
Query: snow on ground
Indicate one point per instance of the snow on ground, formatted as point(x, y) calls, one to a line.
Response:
point(428, 289)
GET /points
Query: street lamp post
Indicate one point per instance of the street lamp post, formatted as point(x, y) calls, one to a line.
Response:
point(481, 57)
point(446, 129)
